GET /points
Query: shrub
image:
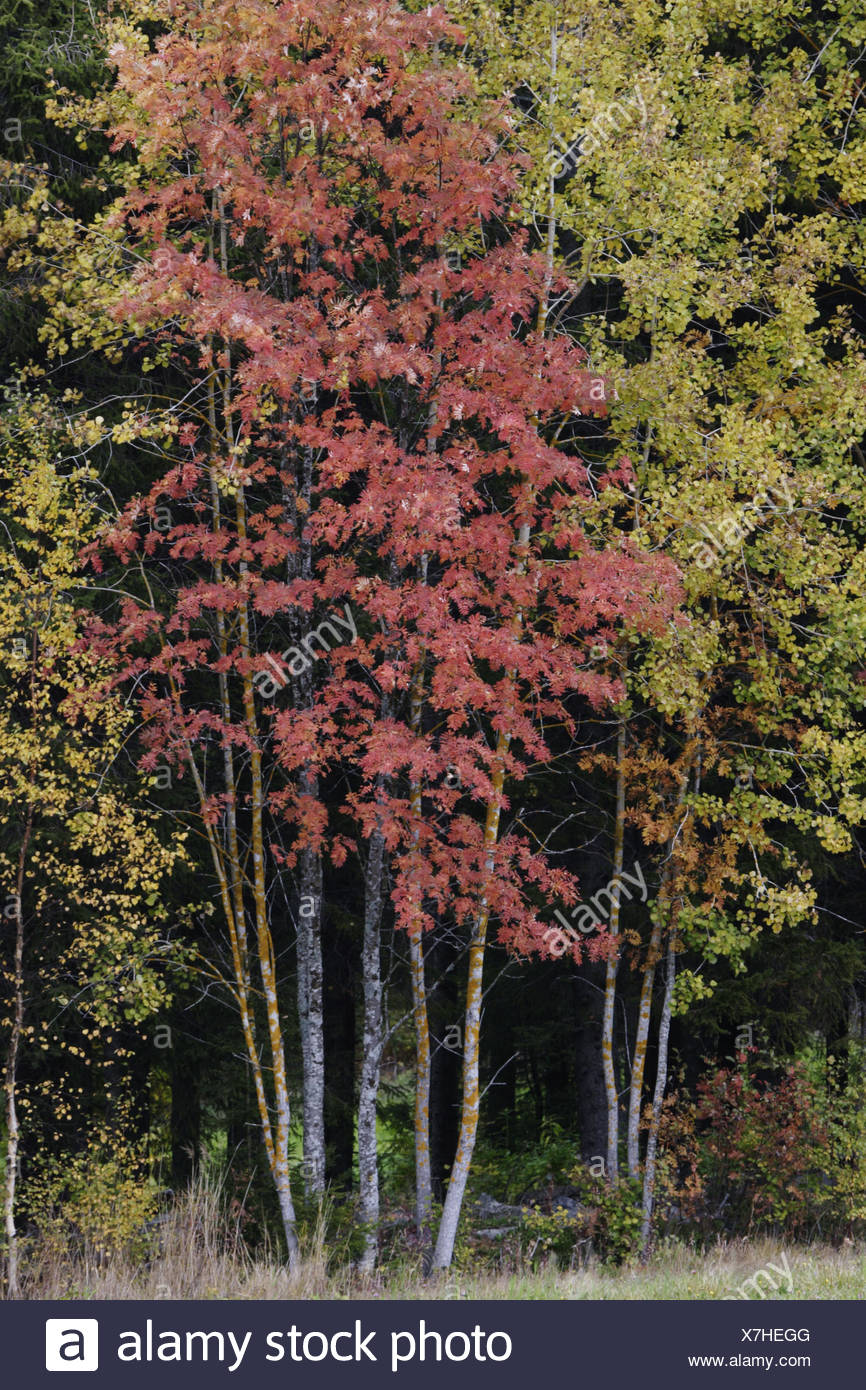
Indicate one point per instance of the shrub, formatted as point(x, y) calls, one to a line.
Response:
point(843, 1110)
point(509, 1174)
point(765, 1149)
point(612, 1214)
point(95, 1204)
point(608, 1222)
point(558, 1233)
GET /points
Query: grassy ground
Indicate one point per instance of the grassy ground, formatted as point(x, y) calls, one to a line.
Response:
point(195, 1252)
point(815, 1272)
point(187, 1269)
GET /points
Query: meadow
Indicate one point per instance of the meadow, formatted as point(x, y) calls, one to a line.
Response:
point(199, 1255)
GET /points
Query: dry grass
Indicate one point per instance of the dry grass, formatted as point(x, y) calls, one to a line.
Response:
point(199, 1254)
point(195, 1252)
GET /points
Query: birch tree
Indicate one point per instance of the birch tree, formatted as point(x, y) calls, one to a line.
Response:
point(79, 860)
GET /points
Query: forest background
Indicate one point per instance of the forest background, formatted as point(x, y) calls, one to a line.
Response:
point(432, 631)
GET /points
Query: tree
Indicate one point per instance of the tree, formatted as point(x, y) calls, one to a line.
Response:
point(359, 386)
point(738, 397)
point(83, 868)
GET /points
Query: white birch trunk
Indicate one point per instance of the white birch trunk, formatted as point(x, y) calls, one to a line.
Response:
point(649, 1176)
point(311, 1015)
point(639, 1059)
point(310, 970)
point(368, 1148)
point(447, 1235)
point(12, 1130)
point(423, 1173)
point(611, 971)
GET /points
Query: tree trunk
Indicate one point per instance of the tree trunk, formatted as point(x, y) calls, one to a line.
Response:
point(230, 874)
point(310, 971)
point(645, 1009)
point(265, 944)
point(649, 1176)
point(640, 1046)
point(311, 1016)
point(423, 1183)
point(612, 969)
point(444, 1251)
point(445, 1009)
point(471, 1102)
point(342, 966)
point(368, 1148)
point(420, 1015)
point(12, 1132)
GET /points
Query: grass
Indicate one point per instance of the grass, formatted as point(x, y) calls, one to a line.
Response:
point(201, 1255)
point(817, 1272)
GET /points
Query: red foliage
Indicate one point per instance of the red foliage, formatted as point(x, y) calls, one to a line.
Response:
point(320, 164)
point(764, 1146)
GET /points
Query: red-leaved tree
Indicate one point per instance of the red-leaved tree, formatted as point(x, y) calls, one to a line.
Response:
point(358, 591)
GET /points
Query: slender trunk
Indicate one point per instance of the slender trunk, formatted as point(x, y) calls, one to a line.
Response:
point(471, 1102)
point(311, 1011)
point(471, 1099)
point(232, 877)
point(649, 1176)
point(612, 968)
point(471, 1039)
point(229, 866)
point(275, 1144)
point(230, 874)
point(423, 1180)
point(267, 969)
point(264, 940)
point(420, 1011)
point(452, 1208)
point(242, 983)
point(420, 1016)
point(235, 875)
point(12, 1131)
point(640, 1045)
point(368, 1149)
point(646, 996)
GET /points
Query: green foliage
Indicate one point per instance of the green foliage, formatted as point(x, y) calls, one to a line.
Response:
point(713, 274)
point(95, 862)
point(558, 1233)
point(510, 1175)
point(607, 1224)
point(614, 1213)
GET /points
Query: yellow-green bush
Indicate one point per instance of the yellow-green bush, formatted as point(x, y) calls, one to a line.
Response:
point(94, 1204)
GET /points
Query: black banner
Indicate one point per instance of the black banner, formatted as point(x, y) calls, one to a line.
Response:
point(486, 1345)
